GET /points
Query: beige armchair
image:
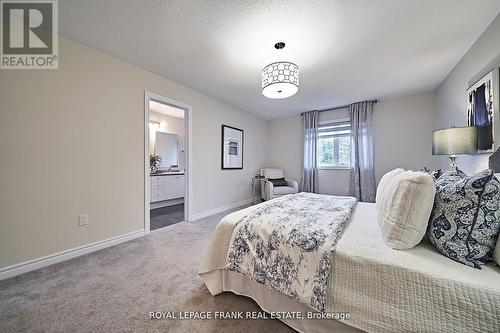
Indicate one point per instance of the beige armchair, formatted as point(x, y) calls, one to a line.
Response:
point(268, 191)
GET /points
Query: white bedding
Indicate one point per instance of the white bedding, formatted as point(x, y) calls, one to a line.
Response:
point(287, 244)
point(386, 290)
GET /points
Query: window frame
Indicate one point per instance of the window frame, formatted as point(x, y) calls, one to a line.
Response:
point(330, 123)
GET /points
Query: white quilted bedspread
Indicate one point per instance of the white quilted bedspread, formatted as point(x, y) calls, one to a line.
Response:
point(385, 290)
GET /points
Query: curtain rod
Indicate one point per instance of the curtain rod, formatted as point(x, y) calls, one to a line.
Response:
point(339, 107)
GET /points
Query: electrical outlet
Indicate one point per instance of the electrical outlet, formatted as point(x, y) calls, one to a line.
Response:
point(83, 219)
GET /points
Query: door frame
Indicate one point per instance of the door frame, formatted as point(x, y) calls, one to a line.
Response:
point(148, 96)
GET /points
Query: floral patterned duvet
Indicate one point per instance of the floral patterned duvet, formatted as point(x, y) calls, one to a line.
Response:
point(288, 243)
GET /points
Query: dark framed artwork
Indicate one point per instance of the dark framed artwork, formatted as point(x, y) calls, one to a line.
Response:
point(232, 148)
point(482, 111)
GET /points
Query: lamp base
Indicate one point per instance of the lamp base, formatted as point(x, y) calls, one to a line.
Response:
point(453, 162)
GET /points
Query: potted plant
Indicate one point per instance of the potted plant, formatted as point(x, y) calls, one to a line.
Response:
point(154, 163)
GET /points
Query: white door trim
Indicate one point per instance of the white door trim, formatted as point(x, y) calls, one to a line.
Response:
point(188, 121)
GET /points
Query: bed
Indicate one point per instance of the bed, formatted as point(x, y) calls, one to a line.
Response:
point(382, 290)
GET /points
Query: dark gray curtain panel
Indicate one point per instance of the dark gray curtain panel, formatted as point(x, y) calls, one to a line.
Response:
point(309, 182)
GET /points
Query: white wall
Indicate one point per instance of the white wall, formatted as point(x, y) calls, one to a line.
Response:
point(72, 142)
point(402, 130)
point(402, 133)
point(173, 125)
point(450, 96)
point(284, 147)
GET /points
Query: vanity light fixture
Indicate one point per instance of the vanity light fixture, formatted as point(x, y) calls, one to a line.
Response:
point(154, 126)
point(280, 79)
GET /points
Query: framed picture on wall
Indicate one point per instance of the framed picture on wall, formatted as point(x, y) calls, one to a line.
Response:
point(482, 111)
point(232, 148)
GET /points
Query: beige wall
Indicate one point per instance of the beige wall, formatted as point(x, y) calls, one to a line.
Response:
point(402, 138)
point(483, 56)
point(72, 142)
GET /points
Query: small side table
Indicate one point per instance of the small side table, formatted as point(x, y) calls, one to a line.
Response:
point(255, 181)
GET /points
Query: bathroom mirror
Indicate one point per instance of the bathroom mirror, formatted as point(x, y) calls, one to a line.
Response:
point(167, 146)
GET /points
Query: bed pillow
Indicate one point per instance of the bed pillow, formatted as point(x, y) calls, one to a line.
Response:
point(449, 177)
point(496, 250)
point(434, 174)
point(464, 224)
point(384, 182)
point(404, 209)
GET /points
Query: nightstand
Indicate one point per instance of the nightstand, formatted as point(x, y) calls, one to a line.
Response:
point(255, 181)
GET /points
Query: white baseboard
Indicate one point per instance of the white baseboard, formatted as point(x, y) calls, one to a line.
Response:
point(51, 259)
point(218, 210)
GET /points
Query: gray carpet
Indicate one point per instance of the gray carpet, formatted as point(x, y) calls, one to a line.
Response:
point(113, 290)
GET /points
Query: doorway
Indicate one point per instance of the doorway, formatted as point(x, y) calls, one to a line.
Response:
point(167, 162)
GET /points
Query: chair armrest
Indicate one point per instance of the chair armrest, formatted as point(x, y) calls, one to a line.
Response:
point(267, 190)
point(293, 183)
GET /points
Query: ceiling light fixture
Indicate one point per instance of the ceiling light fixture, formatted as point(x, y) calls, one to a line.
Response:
point(280, 79)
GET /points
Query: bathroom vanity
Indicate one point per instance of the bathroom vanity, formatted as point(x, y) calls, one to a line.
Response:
point(167, 186)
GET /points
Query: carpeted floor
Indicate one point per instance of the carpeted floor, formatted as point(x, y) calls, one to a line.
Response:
point(113, 290)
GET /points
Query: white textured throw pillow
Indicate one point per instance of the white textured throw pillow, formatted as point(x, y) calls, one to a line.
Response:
point(384, 182)
point(404, 208)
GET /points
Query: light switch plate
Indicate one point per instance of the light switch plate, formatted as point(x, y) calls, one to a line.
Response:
point(83, 219)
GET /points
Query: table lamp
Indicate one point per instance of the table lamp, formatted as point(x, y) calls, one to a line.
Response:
point(494, 161)
point(454, 141)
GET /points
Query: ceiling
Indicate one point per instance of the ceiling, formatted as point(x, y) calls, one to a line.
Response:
point(166, 109)
point(347, 51)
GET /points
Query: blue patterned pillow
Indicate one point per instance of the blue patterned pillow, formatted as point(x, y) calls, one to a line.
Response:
point(465, 219)
point(434, 174)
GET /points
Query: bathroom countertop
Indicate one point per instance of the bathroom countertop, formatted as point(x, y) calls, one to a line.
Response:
point(167, 173)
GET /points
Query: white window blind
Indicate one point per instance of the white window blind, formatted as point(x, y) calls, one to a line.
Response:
point(334, 145)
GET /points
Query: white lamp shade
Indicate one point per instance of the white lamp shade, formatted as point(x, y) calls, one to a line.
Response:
point(454, 141)
point(280, 80)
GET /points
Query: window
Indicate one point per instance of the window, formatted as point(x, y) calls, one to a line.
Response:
point(334, 145)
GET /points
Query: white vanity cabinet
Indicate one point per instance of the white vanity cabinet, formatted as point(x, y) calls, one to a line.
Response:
point(166, 187)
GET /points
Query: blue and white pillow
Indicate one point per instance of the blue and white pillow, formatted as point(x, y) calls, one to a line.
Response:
point(434, 174)
point(465, 219)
